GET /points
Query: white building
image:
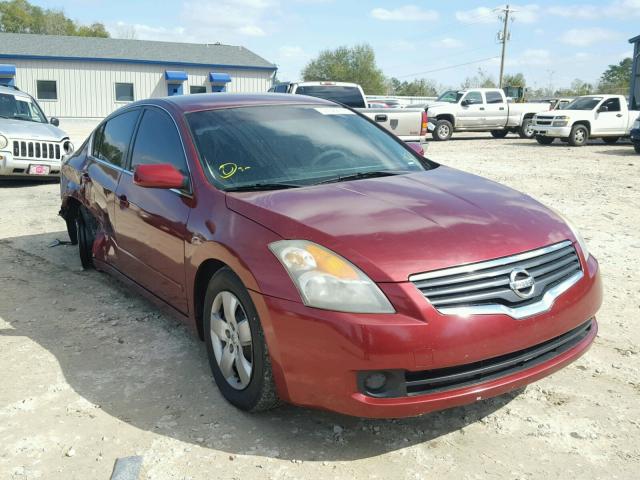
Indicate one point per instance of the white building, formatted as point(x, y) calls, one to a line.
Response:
point(88, 78)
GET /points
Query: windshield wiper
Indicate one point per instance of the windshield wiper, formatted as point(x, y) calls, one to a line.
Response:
point(361, 175)
point(255, 187)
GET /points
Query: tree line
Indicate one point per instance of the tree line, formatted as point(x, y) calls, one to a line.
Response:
point(358, 65)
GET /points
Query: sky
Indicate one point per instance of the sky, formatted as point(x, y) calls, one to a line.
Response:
point(552, 42)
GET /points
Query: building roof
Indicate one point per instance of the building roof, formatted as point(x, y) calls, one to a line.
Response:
point(634, 39)
point(58, 47)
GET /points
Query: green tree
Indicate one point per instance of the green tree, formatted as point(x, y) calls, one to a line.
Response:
point(516, 80)
point(481, 80)
point(616, 78)
point(19, 16)
point(415, 88)
point(355, 64)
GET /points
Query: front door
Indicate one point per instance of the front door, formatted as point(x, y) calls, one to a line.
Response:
point(612, 121)
point(174, 89)
point(472, 113)
point(151, 223)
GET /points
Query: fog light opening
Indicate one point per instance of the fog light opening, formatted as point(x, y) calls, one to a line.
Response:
point(375, 382)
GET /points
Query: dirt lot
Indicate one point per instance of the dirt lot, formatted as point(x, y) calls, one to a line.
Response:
point(90, 372)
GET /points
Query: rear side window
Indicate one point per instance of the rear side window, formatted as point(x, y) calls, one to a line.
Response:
point(349, 96)
point(112, 140)
point(494, 97)
point(158, 141)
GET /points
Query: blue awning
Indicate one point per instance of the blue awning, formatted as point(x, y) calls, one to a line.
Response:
point(7, 70)
point(175, 75)
point(219, 77)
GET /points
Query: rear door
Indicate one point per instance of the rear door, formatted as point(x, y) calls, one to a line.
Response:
point(151, 223)
point(473, 114)
point(104, 168)
point(496, 110)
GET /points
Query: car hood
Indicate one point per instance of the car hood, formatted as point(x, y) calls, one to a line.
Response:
point(440, 104)
point(22, 129)
point(393, 227)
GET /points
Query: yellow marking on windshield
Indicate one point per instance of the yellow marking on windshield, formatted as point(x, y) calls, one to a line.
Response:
point(228, 170)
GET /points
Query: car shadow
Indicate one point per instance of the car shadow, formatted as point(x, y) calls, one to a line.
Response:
point(138, 365)
point(19, 182)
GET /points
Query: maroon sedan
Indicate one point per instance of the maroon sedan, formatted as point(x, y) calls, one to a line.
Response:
point(323, 261)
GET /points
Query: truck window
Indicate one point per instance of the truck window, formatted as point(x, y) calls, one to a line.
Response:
point(349, 96)
point(613, 104)
point(450, 96)
point(494, 97)
point(474, 98)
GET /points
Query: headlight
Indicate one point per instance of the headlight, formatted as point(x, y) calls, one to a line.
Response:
point(3, 141)
point(328, 281)
point(576, 234)
point(562, 121)
point(68, 147)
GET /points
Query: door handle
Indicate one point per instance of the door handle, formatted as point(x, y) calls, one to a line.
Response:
point(481, 108)
point(381, 118)
point(124, 202)
point(619, 115)
point(501, 108)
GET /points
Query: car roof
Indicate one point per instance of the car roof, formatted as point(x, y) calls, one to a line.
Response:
point(14, 91)
point(212, 101)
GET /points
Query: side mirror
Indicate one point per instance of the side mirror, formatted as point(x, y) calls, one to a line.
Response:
point(54, 121)
point(416, 147)
point(603, 108)
point(465, 103)
point(161, 175)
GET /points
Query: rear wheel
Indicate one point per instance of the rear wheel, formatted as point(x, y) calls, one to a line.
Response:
point(85, 226)
point(526, 129)
point(579, 136)
point(443, 130)
point(542, 140)
point(236, 348)
point(610, 140)
point(499, 133)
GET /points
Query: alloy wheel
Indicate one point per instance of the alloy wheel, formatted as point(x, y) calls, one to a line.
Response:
point(231, 340)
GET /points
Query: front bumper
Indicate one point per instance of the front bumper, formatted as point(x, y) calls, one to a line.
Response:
point(19, 167)
point(549, 131)
point(318, 355)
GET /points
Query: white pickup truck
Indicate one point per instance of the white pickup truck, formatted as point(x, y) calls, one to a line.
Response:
point(481, 110)
point(589, 116)
point(410, 125)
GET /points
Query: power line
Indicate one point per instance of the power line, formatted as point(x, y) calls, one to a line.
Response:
point(448, 67)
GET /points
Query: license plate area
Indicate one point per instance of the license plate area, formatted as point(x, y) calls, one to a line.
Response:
point(39, 169)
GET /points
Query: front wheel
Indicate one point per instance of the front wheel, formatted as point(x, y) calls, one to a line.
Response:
point(579, 136)
point(610, 140)
point(85, 227)
point(542, 140)
point(236, 347)
point(443, 130)
point(499, 133)
point(526, 129)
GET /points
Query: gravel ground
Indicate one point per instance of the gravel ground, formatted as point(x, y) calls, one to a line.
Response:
point(91, 372)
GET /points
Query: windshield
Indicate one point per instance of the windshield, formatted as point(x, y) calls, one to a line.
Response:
point(349, 96)
point(297, 145)
point(450, 96)
point(17, 107)
point(584, 103)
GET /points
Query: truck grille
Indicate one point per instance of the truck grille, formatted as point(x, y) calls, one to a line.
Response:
point(36, 150)
point(506, 283)
point(544, 120)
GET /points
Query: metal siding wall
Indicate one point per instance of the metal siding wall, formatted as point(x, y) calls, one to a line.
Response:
point(87, 89)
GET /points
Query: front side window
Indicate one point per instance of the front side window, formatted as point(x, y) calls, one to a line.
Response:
point(115, 136)
point(124, 92)
point(47, 90)
point(295, 144)
point(158, 141)
point(17, 107)
point(349, 96)
point(494, 97)
point(474, 98)
point(613, 104)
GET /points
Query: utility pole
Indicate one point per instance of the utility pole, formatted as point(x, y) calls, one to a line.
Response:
point(504, 37)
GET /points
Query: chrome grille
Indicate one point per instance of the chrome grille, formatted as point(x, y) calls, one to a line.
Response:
point(543, 120)
point(36, 150)
point(485, 287)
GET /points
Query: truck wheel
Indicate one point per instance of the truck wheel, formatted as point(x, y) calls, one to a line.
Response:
point(526, 129)
point(542, 140)
point(636, 147)
point(443, 130)
point(610, 140)
point(86, 234)
point(579, 136)
point(499, 133)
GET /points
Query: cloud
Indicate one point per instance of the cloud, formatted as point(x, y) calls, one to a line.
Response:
point(289, 52)
point(405, 13)
point(621, 9)
point(526, 13)
point(449, 42)
point(536, 56)
point(141, 31)
point(477, 15)
point(585, 12)
point(583, 37)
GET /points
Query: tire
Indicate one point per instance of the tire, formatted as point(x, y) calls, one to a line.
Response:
point(579, 136)
point(499, 133)
point(542, 140)
point(72, 229)
point(85, 226)
point(526, 129)
point(636, 147)
point(443, 130)
point(247, 379)
point(610, 140)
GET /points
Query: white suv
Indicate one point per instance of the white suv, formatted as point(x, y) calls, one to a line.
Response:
point(29, 144)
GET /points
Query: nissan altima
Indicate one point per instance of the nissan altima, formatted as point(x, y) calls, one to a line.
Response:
point(324, 262)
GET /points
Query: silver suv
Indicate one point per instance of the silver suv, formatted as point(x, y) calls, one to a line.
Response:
point(29, 145)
